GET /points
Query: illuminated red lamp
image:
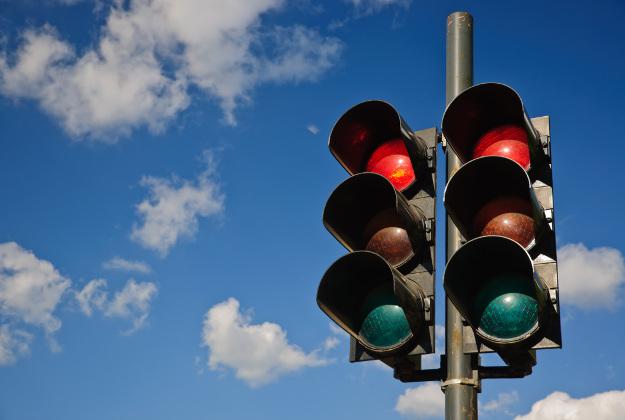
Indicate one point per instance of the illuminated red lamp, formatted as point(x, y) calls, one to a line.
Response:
point(508, 216)
point(391, 160)
point(506, 140)
point(490, 120)
point(372, 137)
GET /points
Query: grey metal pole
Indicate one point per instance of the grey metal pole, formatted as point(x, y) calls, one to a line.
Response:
point(461, 383)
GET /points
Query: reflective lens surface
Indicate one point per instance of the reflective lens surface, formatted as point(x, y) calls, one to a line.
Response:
point(508, 141)
point(384, 324)
point(506, 307)
point(385, 235)
point(391, 160)
point(508, 216)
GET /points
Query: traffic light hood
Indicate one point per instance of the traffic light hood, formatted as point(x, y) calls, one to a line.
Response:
point(494, 179)
point(357, 286)
point(366, 127)
point(366, 203)
point(492, 282)
point(482, 108)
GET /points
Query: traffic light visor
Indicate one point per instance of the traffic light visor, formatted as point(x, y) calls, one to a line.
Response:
point(493, 195)
point(490, 120)
point(372, 137)
point(365, 212)
point(492, 283)
point(372, 302)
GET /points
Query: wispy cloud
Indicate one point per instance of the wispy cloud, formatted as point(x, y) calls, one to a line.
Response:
point(150, 52)
point(313, 129)
point(372, 6)
point(118, 263)
point(132, 302)
point(502, 403)
point(173, 207)
point(259, 353)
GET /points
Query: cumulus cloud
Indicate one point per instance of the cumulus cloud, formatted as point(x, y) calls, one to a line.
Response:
point(30, 291)
point(118, 263)
point(150, 52)
point(591, 279)
point(423, 402)
point(259, 353)
point(132, 302)
point(560, 406)
point(173, 207)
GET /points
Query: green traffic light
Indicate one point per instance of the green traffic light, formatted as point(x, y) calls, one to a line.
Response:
point(506, 307)
point(384, 324)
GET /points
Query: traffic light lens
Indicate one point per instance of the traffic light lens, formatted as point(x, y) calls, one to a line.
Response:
point(506, 307)
point(386, 236)
point(508, 216)
point(384, 324)
point(392, 244)
point(391, 160)
point(508, 141)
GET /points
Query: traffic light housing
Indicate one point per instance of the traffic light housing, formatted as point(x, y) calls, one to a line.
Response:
point(382, 292)
point(503, 280)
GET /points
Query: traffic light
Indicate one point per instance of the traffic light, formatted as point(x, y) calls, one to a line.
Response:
point(503, 280)
point(382, 292)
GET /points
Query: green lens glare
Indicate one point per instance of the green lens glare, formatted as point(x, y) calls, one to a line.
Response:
point(384, 324)
point(506, 307)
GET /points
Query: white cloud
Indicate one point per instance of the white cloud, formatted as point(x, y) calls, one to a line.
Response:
point(423, 402)
point(150, 52)
point(92, 296)
point(173, 208)
point(370, 6)
point(590, 279)
point(132, 302)
point(118, 263)
point(331, 342)
point(259, 353)
point(560, 406)
point(30, 290)
point(13, 343)
point(502, 403)
point(313, 129)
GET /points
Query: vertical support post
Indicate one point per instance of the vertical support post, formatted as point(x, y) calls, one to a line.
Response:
point(461, 383)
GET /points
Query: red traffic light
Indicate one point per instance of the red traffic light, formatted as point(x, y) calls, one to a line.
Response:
point(391, 160)
point(372, 137)
point(490, 120)
point(506, 140)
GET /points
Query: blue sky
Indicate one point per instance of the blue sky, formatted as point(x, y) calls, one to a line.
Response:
point(164, 168)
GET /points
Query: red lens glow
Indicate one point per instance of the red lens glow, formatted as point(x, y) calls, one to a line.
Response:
point(508, 216)
point(391, 160)
point(508, 141)
point(385, 235)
